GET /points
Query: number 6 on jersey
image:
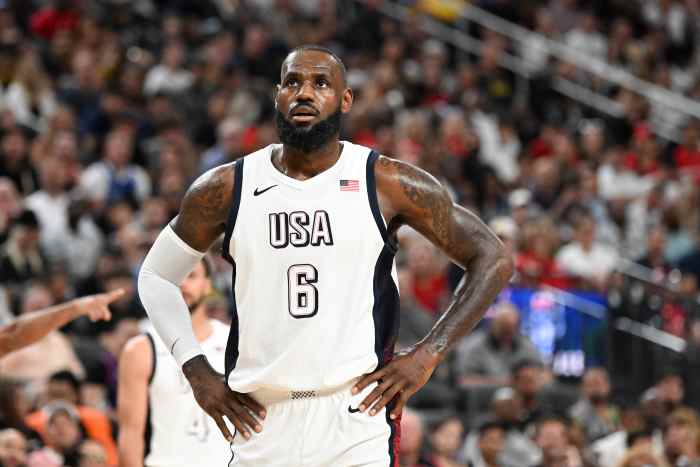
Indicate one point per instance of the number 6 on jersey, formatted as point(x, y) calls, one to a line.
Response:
point(303, 295)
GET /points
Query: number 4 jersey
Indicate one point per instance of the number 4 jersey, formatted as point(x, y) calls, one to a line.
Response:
point(179, 432)
point(314, 281)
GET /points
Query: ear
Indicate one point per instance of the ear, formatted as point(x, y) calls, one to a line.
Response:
point(275, 92)
point(347, 100)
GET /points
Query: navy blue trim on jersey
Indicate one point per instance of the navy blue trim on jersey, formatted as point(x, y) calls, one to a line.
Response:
point(153, 352)
point(233, 212)
point(385, 312)
point(374, 202)
point(233, 335)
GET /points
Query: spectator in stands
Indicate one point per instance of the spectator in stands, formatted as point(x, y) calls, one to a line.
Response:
point(593, 412)
point(10, 206)
point(14, 406)
point(63, 435)
point(92, 454)
point(21, 258)
point(30, 96)
point(411, 447)
point(552, 437)
point(64, 391)
point(490, 446)
point(13, 448)
point(487, 356)
point(229, 144)
point(682, 437)
point(528, 380)
point(115, 178)
point(641, 457)
point(585, 258)
point(506, 409)
point(169, 76)
point(446, 437)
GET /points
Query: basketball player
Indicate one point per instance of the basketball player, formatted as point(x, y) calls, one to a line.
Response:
point(310, 228)
point(158, 415)
point(29, 328)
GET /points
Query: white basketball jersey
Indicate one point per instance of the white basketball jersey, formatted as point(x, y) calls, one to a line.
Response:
point(181, 433)
point(315, 288)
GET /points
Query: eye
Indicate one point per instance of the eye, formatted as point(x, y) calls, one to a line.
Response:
point(291, 82)
point(322, 83)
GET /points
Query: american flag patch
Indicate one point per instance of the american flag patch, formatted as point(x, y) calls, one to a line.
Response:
point(349, 185)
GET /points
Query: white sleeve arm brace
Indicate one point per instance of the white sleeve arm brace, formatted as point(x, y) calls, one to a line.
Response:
point(167, 264)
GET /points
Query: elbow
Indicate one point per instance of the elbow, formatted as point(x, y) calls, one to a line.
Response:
point(502, 263)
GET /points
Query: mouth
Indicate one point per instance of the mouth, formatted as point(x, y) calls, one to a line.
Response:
point(303, 114)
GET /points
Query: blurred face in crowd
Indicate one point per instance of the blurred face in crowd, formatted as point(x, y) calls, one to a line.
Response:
point(411, 433)
point(682, 433)
point(14, 147)
point(491, 443)
point(553, 440)
point(310, 100)
point(92, 454)
point(54, 175)
point(504, 327)
point(13, 448)
point(36, 298)
point(196, 287)
point(528, 381)
point(671, 391)
point(61, 390)
point(9, 198)
point(231, 136)
point(63, 431)
point(508, 407)
point(596, 386)
point(447, 437)
point(118, 148)
point(585, 232)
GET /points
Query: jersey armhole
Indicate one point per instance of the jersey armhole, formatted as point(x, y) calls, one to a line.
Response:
point(153, 359)
point(233, 212)
point(374, 202)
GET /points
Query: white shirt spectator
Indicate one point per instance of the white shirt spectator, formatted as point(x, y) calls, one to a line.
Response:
point(95, 181)
point(595, 263)
point(162, 78)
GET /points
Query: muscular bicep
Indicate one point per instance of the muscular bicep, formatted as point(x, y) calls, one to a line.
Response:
point(204, 208)
point(415, 198)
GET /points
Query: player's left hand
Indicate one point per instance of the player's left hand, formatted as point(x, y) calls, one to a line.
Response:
point(399, 379)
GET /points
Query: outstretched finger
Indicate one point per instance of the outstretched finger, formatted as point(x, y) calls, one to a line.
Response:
point(366, 380)
point(253, 405)
point(223, 428)
point(109, 297)
point(387, 397)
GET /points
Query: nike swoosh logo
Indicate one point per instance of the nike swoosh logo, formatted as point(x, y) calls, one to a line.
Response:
point(351, 410)
point(258, 192)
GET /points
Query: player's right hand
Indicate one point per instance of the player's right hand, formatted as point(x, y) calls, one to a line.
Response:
point(218, 400)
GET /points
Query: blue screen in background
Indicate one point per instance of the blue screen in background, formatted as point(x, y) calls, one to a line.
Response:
point(566, 326)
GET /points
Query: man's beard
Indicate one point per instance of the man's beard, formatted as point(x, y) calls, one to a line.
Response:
point(310, 138)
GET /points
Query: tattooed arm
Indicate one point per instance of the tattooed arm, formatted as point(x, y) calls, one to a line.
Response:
point(178, 249)
point(410, 196)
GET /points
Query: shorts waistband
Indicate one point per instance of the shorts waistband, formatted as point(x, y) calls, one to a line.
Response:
point(270, 396)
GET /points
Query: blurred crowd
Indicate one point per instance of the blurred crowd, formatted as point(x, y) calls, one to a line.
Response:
point(109, 109)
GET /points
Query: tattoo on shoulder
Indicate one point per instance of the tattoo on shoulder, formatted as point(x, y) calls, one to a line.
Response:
point(425, 193)
point(205, 207)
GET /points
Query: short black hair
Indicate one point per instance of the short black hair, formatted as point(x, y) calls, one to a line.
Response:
point(490, 424)
point(326, 50)
point(66, 376)
point(525, 363)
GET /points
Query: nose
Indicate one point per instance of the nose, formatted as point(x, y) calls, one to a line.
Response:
point(305, 93)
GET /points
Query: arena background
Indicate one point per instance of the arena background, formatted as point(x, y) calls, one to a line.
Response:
point(571, 127)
